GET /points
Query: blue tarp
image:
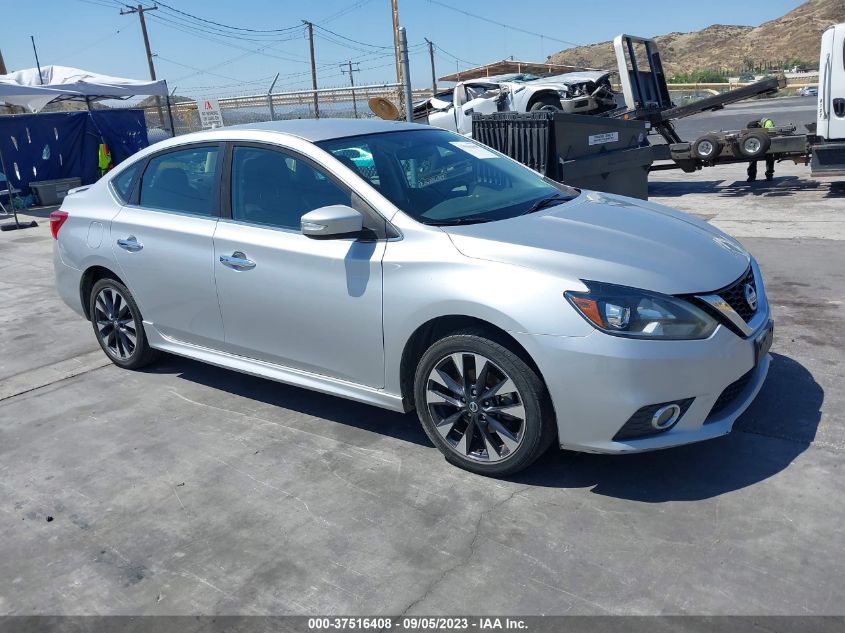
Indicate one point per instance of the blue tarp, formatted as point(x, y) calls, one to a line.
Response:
point(64, 144)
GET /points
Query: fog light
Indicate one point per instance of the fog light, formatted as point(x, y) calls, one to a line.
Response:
point(653, 419)
point(665, 417)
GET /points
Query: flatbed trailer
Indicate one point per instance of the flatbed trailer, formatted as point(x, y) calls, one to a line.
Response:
point(736, 146)
point(647, 99)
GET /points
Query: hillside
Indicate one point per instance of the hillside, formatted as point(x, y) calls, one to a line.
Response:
point(794, 36)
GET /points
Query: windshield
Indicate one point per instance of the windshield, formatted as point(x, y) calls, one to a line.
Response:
point(440, 178)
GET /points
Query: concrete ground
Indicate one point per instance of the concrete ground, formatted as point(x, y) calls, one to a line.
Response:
point(187, 489)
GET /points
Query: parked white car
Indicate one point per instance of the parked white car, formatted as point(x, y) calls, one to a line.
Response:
point(586, 92)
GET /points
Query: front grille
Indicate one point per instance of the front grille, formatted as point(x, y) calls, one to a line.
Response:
point(734, 295)
point(730, 393)
point(639, 424)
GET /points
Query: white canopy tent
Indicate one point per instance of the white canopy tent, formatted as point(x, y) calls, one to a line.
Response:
point(33, 90)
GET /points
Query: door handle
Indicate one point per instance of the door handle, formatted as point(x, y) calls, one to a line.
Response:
point(237, 261)
point(839, 107)
point(130, 244)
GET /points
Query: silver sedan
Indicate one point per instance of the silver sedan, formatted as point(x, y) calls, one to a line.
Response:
point(411, 268)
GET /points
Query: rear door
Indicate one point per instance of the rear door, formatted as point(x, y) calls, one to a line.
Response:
point(162, 240)
point(313, 305)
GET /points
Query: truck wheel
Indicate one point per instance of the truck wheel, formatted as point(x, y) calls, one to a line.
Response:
point(707, 147)
point(546, 102)
point(754, 144)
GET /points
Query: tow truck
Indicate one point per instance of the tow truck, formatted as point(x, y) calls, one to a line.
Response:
point(646, 96)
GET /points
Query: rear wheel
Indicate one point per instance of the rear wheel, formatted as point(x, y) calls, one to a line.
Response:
point(754, 144)
point(118, 326)
point(482, 405)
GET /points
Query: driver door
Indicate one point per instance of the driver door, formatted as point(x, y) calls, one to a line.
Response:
point(309, 304)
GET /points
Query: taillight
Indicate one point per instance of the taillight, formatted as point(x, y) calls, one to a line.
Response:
point(57, 218)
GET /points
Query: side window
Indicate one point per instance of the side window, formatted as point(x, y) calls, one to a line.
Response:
point(276, 189)
point(125, 180)
point(183, 181)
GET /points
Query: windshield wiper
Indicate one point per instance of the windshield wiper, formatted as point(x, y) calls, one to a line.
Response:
point(459, 221)
point(548, 201)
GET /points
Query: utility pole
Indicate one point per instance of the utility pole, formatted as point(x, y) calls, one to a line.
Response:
point(433, 74)
point(395, 9)
point(352, 83)
point(313, 68)
point(140, 10)
point(37, 63)
point(406, 76)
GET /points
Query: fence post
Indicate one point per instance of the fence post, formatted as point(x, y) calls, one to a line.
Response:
point(270, 98)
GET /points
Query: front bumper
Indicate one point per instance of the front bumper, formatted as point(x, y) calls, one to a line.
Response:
point(598, 382)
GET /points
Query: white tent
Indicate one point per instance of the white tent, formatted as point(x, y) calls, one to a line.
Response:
point(58, 83)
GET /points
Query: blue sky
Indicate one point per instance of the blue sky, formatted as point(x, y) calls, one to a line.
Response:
point(201, 58)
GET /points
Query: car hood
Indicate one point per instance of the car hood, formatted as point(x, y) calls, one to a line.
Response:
point(570, 79)
point(612, 239)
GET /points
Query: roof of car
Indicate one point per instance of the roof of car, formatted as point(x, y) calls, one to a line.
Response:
point(325, 129)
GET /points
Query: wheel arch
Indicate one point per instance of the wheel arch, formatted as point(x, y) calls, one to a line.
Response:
point(539, 94)
point(92, 275)
point(440, 327)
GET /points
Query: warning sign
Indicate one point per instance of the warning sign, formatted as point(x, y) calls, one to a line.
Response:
point(209, 110)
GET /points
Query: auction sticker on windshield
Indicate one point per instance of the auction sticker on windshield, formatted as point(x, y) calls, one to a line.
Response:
point(472, 148)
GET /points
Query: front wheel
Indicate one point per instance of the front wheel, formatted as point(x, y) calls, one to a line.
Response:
point(482, 405)
point(546, 102)
point(118, 326)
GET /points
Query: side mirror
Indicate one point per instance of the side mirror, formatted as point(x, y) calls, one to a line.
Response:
point(335, 221)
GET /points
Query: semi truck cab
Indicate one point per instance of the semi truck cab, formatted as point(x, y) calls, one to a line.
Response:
point(828, 150)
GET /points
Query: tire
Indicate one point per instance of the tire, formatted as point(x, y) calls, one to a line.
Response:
point(546, 102)
point(753, 144)
point(517, 425)
point(116, 320)
point(708, 147)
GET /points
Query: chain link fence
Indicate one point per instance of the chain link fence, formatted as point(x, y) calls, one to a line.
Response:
point(343, 102)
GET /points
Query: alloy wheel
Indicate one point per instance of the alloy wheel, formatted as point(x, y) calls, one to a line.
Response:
point(115, 323)
point(475, 407)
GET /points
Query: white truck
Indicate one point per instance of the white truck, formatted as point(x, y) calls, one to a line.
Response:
point(828, 145)
point(584, 92)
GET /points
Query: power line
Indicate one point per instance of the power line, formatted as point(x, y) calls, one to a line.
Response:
point(457, 59)
point(179, 27)
point(349, 39)
point(502, 24)
point(91, 45)
point(212, 30)
point(342, 12)
point(228, 26)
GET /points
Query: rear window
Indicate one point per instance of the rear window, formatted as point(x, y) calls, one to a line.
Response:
point(125, 181)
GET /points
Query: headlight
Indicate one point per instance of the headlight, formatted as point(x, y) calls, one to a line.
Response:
point(640, 314)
